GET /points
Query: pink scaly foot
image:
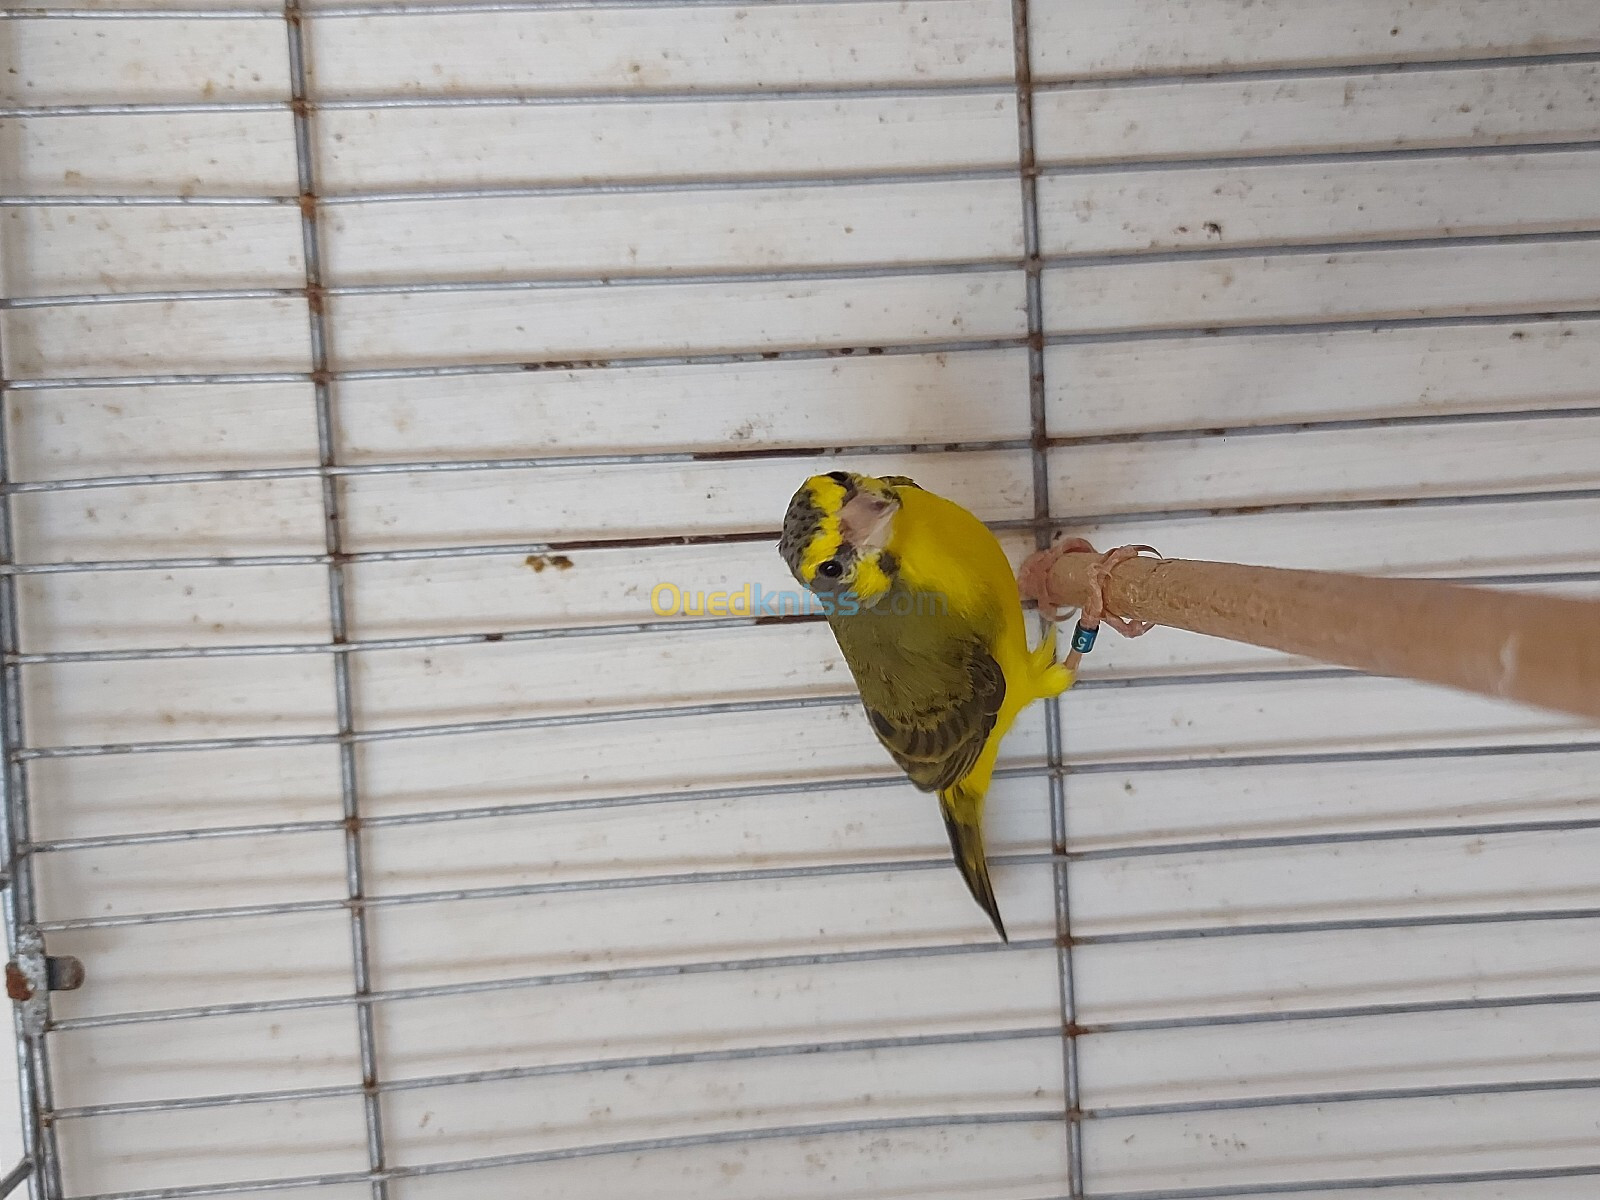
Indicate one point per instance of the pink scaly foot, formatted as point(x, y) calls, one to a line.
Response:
point(1095, 610)
point(1034, 578)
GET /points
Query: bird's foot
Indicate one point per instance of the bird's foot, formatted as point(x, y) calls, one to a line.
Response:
point(1034, 579)
point(1094, 611)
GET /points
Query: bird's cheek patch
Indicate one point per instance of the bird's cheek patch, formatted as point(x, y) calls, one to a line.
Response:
point(871, 580)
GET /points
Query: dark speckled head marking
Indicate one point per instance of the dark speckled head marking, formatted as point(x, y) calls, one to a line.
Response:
point(835, 531)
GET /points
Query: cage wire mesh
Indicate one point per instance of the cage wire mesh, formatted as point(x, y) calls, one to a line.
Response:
point(367, 364)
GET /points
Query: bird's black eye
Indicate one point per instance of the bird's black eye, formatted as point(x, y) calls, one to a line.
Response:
point(839, 476)
point(833, 568)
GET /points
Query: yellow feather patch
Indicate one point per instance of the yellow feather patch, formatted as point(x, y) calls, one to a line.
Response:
point(828, 496)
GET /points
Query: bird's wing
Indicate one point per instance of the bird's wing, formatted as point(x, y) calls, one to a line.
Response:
point(937, 733)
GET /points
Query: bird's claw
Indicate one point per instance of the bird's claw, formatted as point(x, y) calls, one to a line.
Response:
point(1095, 610)
point(1036, 574)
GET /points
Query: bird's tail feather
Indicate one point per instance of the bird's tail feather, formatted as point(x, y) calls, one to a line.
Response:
point(963, 814)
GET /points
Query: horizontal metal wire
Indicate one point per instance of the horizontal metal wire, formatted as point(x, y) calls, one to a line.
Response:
point(823, 870)
point(614, 883)
point(643, 1146)
point(381, 8)
point(672, 625)
point(1532, 317)
point(661, 542)
point(565, 98)
point(831, 91)
point(720, 795)
point(819, 274)
point(885, 1124)
point(660, 185)
point(837, 958)
point(592, 1066)
point(1336, 925)
point(559, 979)
point(840, 1046)
point(1511, 1087)
point(443, 729)
point(1356, 1183)
point(759, 453)
point(809, 785)
point(1399, 1008)
point(535, 463)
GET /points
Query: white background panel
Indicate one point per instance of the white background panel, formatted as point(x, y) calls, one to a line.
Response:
point(553, 326)
point(1297, 715)
point(394, 511)
point(772, 1006)
point(1295, 203)
point(1145, 37)
point(706, 1098)
point(75, 250)
point(233, 960)
point(1459, 1049)
point(1346, 464)
point(1364, 1139)
point(435, 942)
point(1356, 110)
point(1009, 1162)
point(372, 148)
point(657, 754)
point(225, 1144)
point(112, 1064)
point(106, 61)
point(148, 793)
point(1210, 382)
point(198, 606)
point(184, 698)
point(118, 880)
point(1494, 537)
point(1305, 286)
point(1380, 801)
point(1273, 973)
point(820, 826)
point(1152, 808)
point(247, 516)
point(492, 680)
point(1472, 873)
point(661, 49)
point(70, 433)
point(744, 230)
point(883, 399)
point(156, 337)
point(157, 154)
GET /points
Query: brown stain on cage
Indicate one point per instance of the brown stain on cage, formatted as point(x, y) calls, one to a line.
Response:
point(541, 562)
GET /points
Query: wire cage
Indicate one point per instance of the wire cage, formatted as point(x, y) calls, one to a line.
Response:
point(368, 363)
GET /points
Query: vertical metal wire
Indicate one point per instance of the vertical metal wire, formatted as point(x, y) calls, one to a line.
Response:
point(18, 907)
point(1033, 267)
point(338, 610)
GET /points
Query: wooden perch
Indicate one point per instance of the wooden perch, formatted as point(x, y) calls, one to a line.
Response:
point(1536, 650)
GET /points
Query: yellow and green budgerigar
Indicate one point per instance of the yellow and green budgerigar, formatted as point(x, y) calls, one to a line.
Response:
point(925, 607)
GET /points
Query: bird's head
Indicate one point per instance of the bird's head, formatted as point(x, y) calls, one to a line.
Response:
point(836, 534)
